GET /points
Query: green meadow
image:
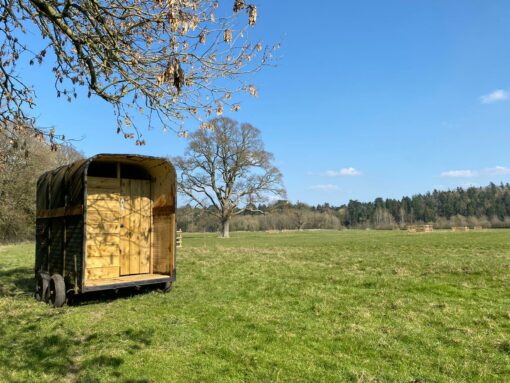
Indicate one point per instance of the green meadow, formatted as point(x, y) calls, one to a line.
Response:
point(324, 306)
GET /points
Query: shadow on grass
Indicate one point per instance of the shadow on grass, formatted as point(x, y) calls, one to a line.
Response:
point(19, 280)
point(35, 345)
point(99, 297)
point(39, 349)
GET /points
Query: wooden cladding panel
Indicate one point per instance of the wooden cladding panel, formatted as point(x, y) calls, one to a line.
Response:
point(123, 231)
point(102, 228)
point(101, 194)
point(102, 250)
point(125, 212)
point(102, 234)
point(102, 272)
point(60, 212)
point(144, 233)
point(105, 204)
point(127, 278)
point(119, 214)
point(97, 185)
point(135, 227)
point(101, 217)
point(103, 261)
point(163, 245)
point(103, 238)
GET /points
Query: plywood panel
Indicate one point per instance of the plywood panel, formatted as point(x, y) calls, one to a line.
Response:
point(162, 247)
point(102, 194)
point(103, 261)
point(102, 272)
point(102, 228)
point(103, 204)
point(126, 278)
point(103, 238)
point(145, 226)
point(101, 183)
point(101, 250)
point(95, 217)
point(172, 228)
point(135, 226)
point(125, 209)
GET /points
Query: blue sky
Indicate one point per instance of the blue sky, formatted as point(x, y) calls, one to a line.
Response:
point(368, 98)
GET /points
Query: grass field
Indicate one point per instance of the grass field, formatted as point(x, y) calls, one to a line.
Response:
point(295, 307)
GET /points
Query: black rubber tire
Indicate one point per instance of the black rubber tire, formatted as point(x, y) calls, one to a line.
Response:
point(166, 287)
point(41, 289)
point(57, 290)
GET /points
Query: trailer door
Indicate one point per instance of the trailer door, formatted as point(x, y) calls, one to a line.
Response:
point(135, 223)
point(102, 228)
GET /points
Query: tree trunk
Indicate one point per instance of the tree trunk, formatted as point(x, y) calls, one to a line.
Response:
point(225, 228)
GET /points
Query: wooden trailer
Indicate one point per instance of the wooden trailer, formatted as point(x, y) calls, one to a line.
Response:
point(107, 222)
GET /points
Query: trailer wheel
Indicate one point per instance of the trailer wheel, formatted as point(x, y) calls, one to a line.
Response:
point(41, 289)
point(57, 290)
point(166, 287)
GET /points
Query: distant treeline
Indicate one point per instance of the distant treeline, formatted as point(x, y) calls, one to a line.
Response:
point(23, 158)
point(475, 206)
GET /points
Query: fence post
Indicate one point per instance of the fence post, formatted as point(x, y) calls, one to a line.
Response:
point(179, 238)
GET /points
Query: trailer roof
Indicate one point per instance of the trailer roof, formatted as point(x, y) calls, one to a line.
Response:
point(64, 186)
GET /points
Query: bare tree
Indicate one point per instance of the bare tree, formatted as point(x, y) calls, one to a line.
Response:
point(163, 59)
point(300, 214)
point(227, 168)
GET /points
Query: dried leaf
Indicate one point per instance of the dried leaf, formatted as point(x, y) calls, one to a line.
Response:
point(227, 35)
point(252, 15)
point(173, 75)
point(202, 36)
point(207, 126)
point(238, 5)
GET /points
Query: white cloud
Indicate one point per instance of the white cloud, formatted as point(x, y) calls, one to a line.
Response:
point(326, 187)
point(497, 171)
point(459, 173)
point(487, 172)
point(341, 173)
point(497, 95)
